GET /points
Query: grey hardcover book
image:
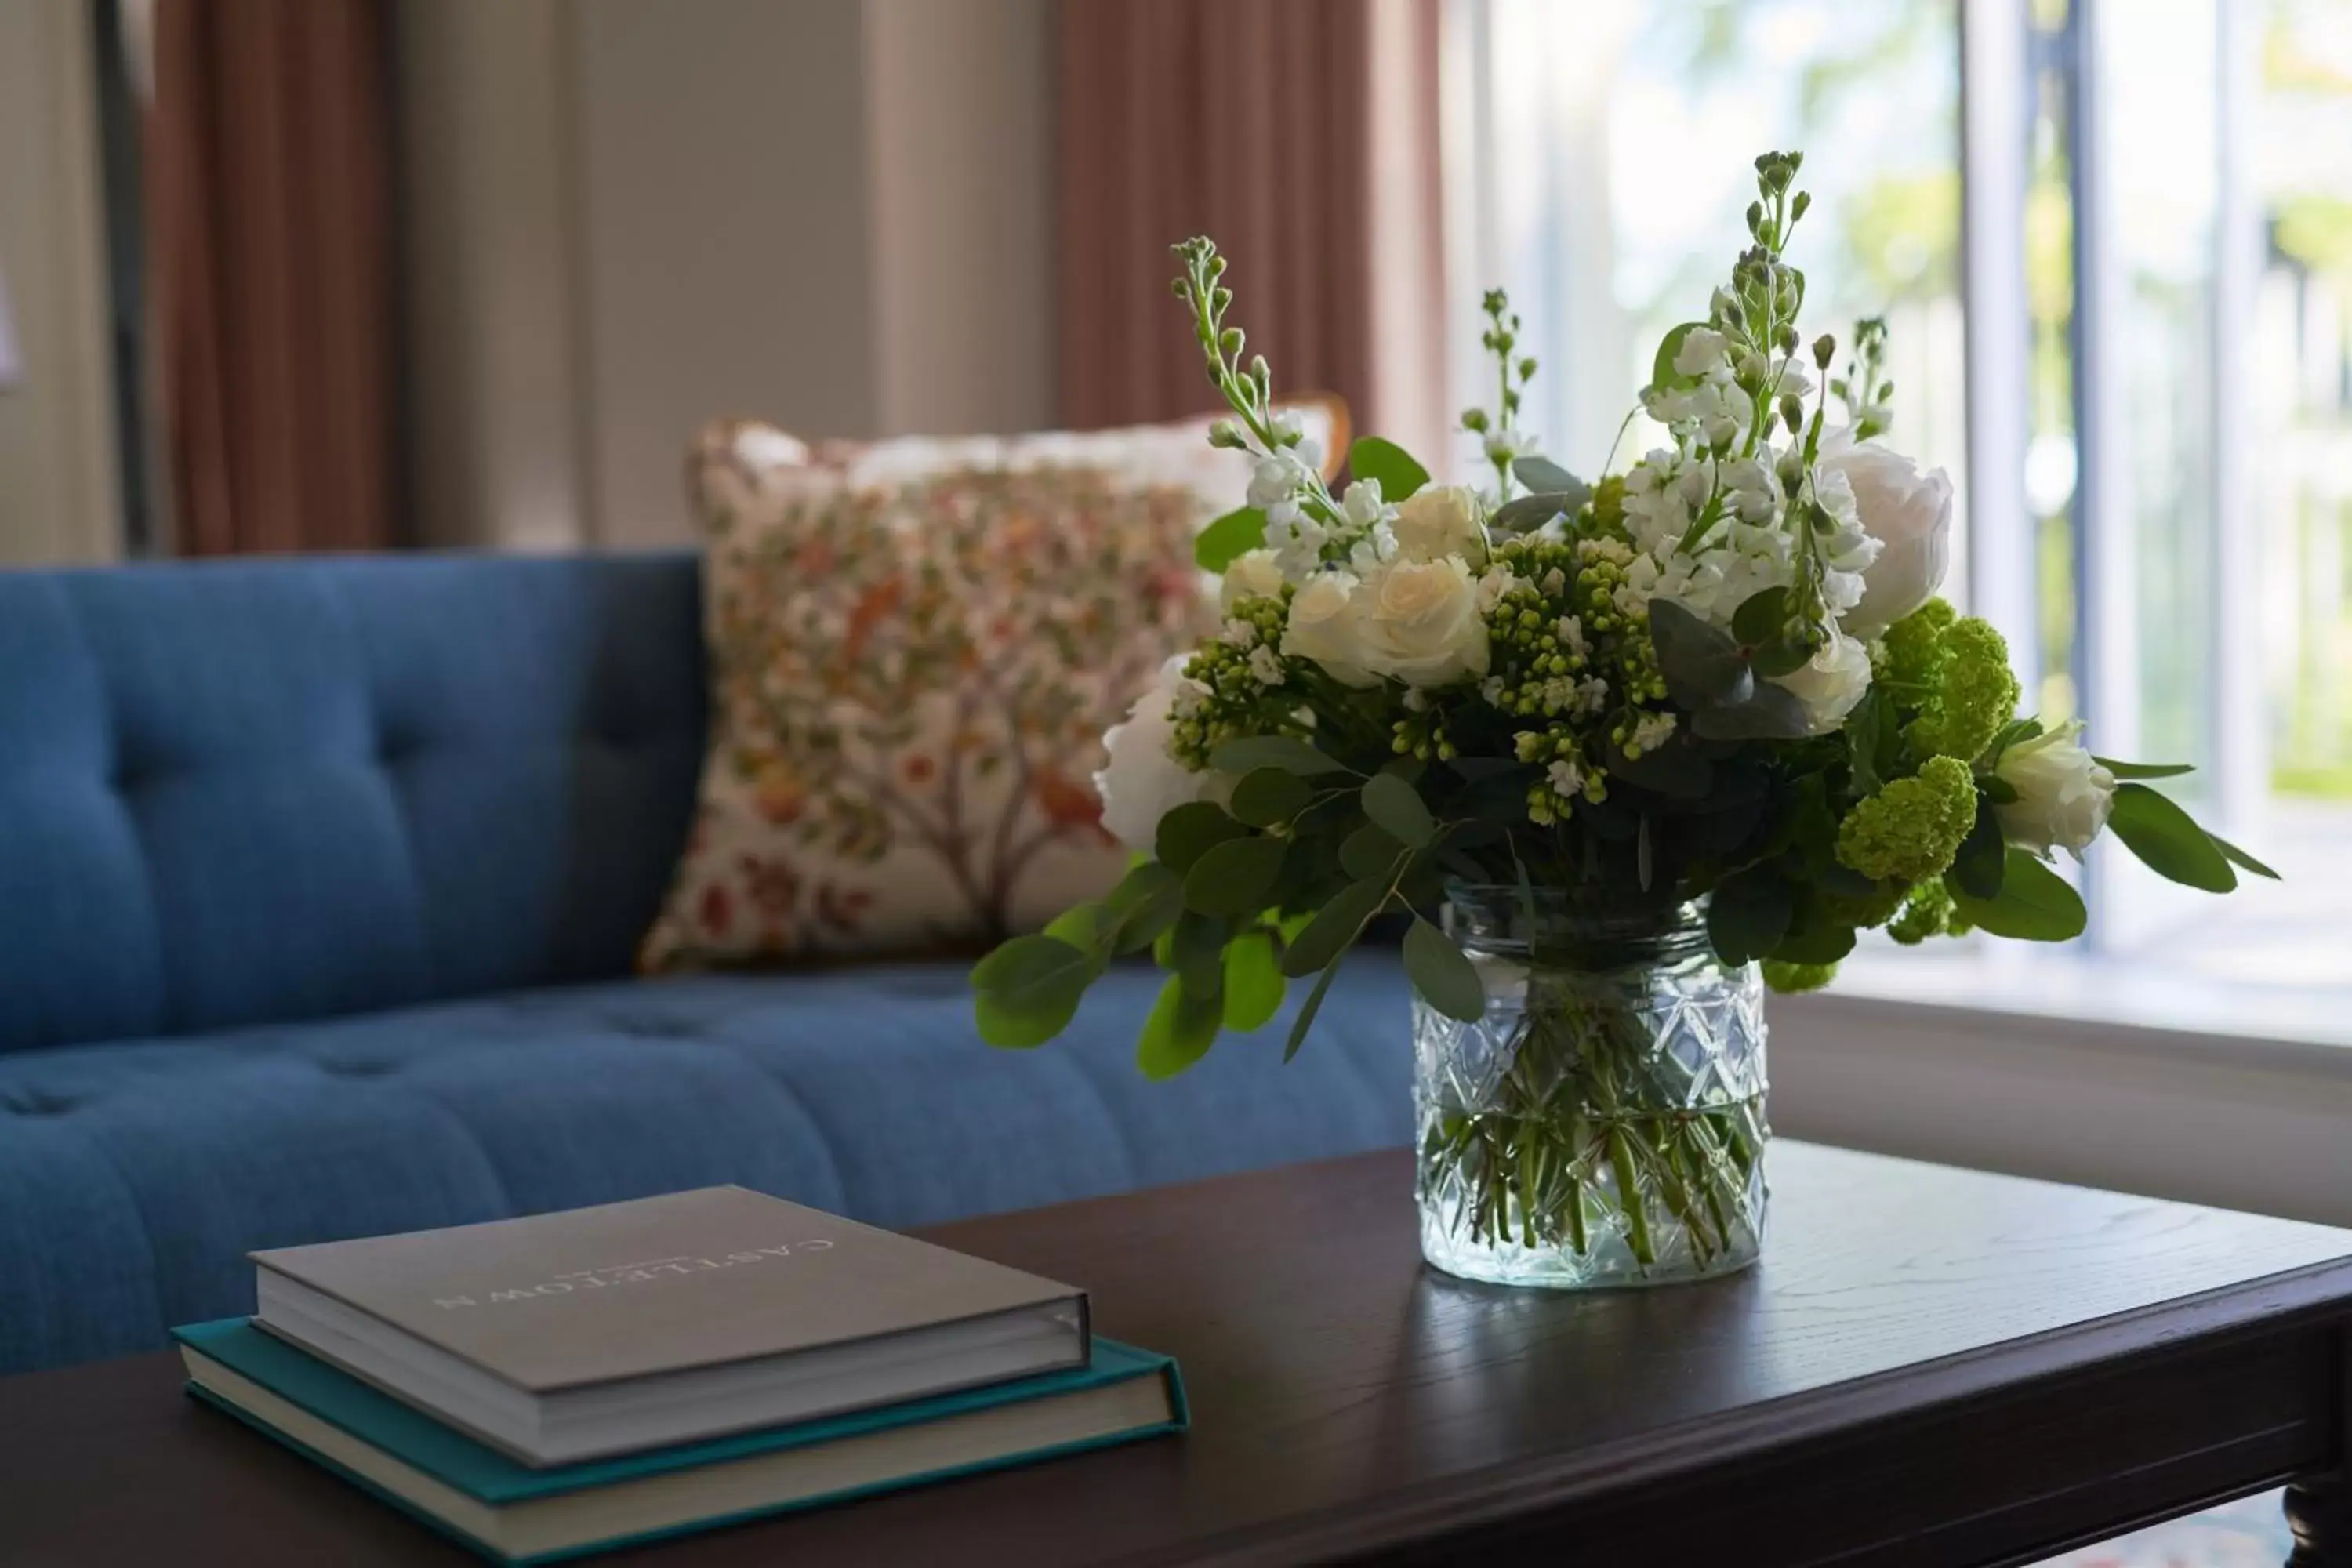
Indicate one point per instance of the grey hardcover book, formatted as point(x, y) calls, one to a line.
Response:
point(570, 1336)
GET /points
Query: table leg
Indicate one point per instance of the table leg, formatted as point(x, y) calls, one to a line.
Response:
point(2319, 1511)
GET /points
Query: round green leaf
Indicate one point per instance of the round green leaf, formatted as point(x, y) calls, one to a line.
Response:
point(1700, 662)
point(1370, 851)
point(1760, 616)
point(1233, 878)
point(1145, 903)
point(1442, 973)
point(1229, 538)
point(1025, 992)
point(1544, 477)
point(1190, 831)
point(1182, 1028)
point(1335, 926)
point(2168, 840)
point(1268, 796)
point(1374, 458)
point(1254, 983)
point(1287, 753)
point(1397, 807)
point(2035, 903)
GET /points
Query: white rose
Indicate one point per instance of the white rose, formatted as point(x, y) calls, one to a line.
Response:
point(1438, 521)
point(1418, 621)
point(1253, 574)
point(1910, 515)
point(1831, 683)
point(1142, 783)
point(2064, 795)
point(1325, 625)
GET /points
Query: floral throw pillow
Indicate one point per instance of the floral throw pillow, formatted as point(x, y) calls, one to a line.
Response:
point(909, 683)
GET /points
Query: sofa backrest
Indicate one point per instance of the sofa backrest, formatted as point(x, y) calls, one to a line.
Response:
point(259, 790)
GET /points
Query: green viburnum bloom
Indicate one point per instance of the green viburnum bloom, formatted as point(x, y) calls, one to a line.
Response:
point(1795, 979)
point(1927, 912)
point(1911, 828)
point(1915, 644)
point(1973, 694)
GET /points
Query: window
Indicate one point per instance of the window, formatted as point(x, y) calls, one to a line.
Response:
point(2114, 242)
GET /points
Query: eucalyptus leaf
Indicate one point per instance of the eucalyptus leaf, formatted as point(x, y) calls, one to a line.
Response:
point(1770, 714)
point(1528, 513)
point(1182, 1028)
point(1254, 983)
point(1397, 807)
point(1676, 768)
point(1370, 851)
point(2035, 903)
point(1080, 925)
point(1288, 752)
point(1442, 973)
point(1269, 795)
point(1314, 1005)
point(1700, 662)
point(1190, 830)
point(1196, 952)
point(1760, 616)
point(1543, 477)
point(1229, 538)
point(1024, 993)
point(2167, 839)
point(1779, 657)
point(1335, 926)
point(1372, 458)
point(1818, 941)
point(1234, 878)
point(1145, 903)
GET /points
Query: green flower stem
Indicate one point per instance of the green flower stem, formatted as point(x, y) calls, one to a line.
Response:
point(1588, 1120)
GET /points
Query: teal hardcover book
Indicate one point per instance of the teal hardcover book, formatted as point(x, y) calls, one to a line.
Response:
point(513, 1513)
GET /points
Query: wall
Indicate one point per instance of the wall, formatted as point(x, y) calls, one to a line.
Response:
point(627, 219)
point(57, 492)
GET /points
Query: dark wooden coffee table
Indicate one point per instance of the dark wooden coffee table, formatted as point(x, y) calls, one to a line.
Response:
point(1930, 1367)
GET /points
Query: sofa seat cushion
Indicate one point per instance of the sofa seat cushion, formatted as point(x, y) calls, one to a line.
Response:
point(135, 1176)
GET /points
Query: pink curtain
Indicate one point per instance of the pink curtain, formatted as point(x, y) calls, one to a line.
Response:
point(1300, 134)
point(268, 166)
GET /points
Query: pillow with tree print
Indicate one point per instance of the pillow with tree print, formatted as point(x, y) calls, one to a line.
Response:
point(910, 685)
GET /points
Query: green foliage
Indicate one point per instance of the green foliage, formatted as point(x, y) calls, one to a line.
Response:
point(1397, 810)
point(1972, 694)
point(1796, 979)
point(2240, 858)
point(1229, 539)
point(1234, 876)
point(1336, 926)
point(2169, 841)
point(2143, 770)
point(1388, 465)
point(1190, 831)
point(2034, 904)
point(1269, 795)
point(1749, 914)
point(1182, 1027)
point(1287, 753)
point(1254, 983)
point(1545, 478)
point(1912, 829)
point(1026, 992)
point(1442, 973)
point(1139, 908)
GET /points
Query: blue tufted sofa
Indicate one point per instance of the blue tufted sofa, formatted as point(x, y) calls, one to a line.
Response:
point(319, 887)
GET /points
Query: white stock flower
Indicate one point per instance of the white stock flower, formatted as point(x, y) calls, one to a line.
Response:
point(1253, 574)
point(1142, 783)
point(1701, 351)
point(1323, 626)
point(1831, 683)
point(1907, 512)
point(1297, 541)
point(1420, 622)
point(2064, 795)
point(1438, 521)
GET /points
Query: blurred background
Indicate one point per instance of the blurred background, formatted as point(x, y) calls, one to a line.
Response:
point(383, 274)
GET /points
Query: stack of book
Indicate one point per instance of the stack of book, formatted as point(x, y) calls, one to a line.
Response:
point(543, 1387)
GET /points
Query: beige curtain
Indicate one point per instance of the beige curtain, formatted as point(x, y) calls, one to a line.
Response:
point(1302, 135)
point(269, 172)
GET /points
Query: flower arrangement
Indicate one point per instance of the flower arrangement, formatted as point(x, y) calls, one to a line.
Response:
point(1714, 693)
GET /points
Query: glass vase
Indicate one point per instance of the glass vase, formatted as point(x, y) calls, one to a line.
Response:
point(1603, 1124)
